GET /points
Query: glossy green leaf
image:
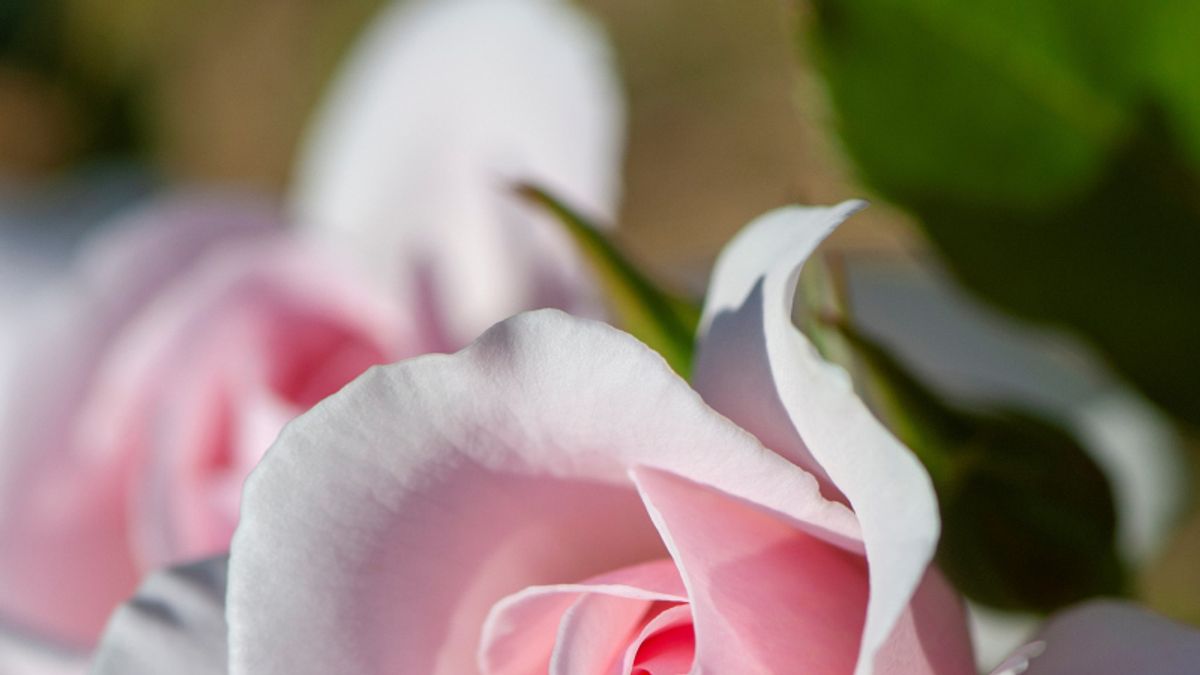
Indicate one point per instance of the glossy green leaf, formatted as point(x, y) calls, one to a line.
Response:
point(665, 322)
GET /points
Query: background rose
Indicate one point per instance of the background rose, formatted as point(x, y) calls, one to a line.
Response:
point(441, 109)
point(193, 333)
point(64, 560)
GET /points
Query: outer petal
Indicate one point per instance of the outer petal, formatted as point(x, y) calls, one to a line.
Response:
point(383, 524)
point(1115, 638)
point(757, 368)
point(174, 624)
point(443, 107)
point(54, 499)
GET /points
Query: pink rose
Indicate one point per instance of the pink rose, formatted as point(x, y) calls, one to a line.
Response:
point(555, 497)
point(159, 375)
point(193, 333)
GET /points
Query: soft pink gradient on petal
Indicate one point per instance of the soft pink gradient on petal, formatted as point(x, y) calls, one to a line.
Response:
point(594, 632)
point(135, 458)
point(766, 597)
point(254, 337)
point(666, 645)
point(1115, 638)
point(755, 366)
point(520, 632)
point(450, 482)
point(931, 637)
point(64, 562)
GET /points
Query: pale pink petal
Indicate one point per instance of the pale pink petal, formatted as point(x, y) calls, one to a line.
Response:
point(257, 333)
point(594, 633)
point(383, 525)
point(175, 624)
point(756, 367)
point(1115, 638)
point(442, 108)
point(64, 561)
point(766, 597)
point(520, 632)
point(931, 637)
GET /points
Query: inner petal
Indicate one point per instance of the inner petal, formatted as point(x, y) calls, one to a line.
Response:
point(575, 626)
point(666, 645)
point(766, 596)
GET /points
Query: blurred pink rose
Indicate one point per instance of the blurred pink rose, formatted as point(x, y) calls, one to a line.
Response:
point(192, 333)
point(151, 385)
point(441, 108)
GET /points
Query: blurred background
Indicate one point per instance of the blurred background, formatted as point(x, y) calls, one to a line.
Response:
point(1034, 168)
point(723, 121)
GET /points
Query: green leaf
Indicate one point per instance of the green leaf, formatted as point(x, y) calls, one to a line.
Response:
point(990, 100)
point(1028, 521)
point(1174, 69)
point(1118, 263)
point(665, 322)
point(1038, 143)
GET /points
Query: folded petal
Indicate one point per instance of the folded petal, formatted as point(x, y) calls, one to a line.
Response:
point(766, 597)
point(756, 367)
point(522, 631)
point(1115, 638)
point(175, 624)
point(665, 646)
point(442, 108)
point(383, 525)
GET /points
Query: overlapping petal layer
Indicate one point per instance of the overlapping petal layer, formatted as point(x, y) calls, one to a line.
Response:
point(445, 483)
point(756, 367)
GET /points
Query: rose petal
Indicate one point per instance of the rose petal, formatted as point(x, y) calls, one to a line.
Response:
point(521, 631)
point(442, 108)
point(256, 333)
point(765, 596)
point(931, 637)
point(666, 645)
point(174, 624)
point(594, 633)
point(756, 367)
point(1115, 638)
point(389, 519)
point(64, 560)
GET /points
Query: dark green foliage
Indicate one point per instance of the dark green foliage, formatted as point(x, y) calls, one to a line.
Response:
point(1051, 151)
point(1028, 521)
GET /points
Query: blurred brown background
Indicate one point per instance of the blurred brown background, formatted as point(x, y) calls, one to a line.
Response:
point(723, 122)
